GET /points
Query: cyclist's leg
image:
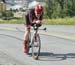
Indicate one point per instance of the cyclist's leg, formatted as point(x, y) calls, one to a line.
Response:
point(27, 29)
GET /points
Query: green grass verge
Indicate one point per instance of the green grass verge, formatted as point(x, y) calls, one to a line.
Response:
point(12, 21)
point(60, 21)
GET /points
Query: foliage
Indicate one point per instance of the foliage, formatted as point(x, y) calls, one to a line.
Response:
point(7, 15)
point(59, 8)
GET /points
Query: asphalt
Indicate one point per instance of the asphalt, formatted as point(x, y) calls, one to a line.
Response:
point(8, 60)
point(68, 33)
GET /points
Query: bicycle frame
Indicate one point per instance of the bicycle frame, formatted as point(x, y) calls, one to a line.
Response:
point(35, 28)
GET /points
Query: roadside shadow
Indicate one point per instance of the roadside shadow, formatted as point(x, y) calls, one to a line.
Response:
point(46, 56)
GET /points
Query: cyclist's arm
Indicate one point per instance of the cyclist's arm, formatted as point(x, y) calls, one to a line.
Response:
point(30, 17)
point(41, 17)
point(32, 20)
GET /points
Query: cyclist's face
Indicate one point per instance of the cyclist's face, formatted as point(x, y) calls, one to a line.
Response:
point(37, 14)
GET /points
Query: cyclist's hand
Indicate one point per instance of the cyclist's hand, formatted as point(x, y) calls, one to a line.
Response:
point(38, 22)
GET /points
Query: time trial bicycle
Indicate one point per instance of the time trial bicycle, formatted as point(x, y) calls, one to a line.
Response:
point(35, 42)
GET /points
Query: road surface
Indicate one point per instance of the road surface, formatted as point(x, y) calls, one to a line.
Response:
point(58, 46)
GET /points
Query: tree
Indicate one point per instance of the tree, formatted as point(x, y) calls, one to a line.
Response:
point(48, 8)
point(59, 8)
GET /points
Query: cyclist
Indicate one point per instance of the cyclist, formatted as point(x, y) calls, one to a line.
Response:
point(31, 16)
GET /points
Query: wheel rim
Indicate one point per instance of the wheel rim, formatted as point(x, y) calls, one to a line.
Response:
point(36, 47)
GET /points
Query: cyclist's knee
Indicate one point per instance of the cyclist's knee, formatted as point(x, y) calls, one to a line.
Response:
point(27, 27)
point(27, 30)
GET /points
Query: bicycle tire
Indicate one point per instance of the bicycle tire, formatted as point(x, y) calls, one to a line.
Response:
point(35, 55)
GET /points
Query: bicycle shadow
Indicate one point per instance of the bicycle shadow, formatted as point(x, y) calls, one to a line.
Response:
point(46, 56)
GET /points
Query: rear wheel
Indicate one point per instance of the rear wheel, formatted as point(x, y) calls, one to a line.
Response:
point(36, 45)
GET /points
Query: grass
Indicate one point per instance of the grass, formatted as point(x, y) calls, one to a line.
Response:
point(59, 21)
point(12, 21)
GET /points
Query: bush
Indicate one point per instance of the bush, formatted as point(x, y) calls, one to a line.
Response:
point(7, 15)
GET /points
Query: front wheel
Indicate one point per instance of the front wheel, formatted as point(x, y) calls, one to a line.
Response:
point(36, 45)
